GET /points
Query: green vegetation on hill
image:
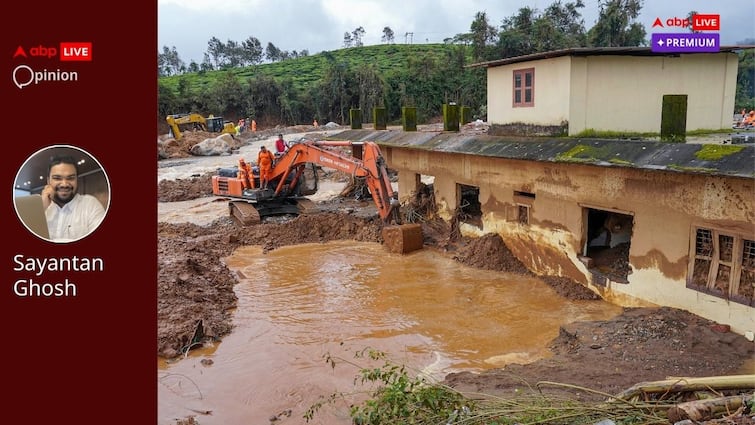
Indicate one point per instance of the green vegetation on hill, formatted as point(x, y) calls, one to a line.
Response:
point(303, 72)
point(326, 85)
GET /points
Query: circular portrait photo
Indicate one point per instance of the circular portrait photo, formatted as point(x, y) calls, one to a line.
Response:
point(61, 193)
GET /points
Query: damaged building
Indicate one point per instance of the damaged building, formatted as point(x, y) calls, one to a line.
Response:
point(639, 222)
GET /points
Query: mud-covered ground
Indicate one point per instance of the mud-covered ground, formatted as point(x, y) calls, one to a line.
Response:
point(196, 297)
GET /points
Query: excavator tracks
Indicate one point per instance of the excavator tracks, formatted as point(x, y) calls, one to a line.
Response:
point(247, 214)
point(244, 213)
point(306, 206)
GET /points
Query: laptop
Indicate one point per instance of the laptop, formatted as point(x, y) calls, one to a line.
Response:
point(31, 211)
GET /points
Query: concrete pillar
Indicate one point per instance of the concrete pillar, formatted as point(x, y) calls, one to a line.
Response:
point(356, 118)
point(409, 118)
point(378, 117)
point(450, 117)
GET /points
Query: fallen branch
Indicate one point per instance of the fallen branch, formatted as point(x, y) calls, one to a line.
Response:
point(712, 408)
point(677, 385)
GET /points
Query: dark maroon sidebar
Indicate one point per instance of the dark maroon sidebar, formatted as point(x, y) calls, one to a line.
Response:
point(80, 316)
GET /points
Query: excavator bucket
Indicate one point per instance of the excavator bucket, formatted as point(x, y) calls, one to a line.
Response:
point(402, 238)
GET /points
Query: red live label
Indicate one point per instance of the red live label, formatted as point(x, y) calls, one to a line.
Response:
point(75, 51)
point(706, 22)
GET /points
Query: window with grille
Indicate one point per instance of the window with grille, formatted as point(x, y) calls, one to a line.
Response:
point(723, 264)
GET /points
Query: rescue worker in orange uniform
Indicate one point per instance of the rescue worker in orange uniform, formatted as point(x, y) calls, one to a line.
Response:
point(245, 174)
point(750, 120)
point(254, 125)
point(265, 162)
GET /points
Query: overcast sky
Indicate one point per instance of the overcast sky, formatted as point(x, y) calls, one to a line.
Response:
point(319, 25)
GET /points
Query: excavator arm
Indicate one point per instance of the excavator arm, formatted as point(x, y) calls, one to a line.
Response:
point(371, 167)
point(211, 124)
point(174, 121)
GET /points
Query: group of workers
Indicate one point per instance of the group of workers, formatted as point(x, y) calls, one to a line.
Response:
point(265, 161)
point(244, 124)
point(748, 119)
point(251, 124)
point(265, 158)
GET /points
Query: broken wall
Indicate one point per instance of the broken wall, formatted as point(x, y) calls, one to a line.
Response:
point(665, 206)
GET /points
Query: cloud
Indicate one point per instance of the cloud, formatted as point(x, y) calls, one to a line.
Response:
point(210, 5)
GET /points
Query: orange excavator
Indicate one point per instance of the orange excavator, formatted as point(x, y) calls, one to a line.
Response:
point(293, 177)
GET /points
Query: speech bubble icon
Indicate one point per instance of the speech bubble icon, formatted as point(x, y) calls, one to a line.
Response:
point(16, 81)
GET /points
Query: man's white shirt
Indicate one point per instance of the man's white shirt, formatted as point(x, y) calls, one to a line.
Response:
point(75, 219)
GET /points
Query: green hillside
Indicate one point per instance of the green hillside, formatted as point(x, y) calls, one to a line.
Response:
point(389, 59)
point(326, 85)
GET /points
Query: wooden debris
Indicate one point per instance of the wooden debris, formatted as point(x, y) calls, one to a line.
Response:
point(681, 384)
point(712, 408)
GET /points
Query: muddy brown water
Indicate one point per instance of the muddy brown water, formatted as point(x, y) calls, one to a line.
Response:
point(300, 303)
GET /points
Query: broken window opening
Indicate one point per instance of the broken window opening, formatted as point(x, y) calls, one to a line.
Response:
point(524, 194)
point(722, 264)
point(421, 205)
point(523, 216)
point(469, 209)
point(608, 239)
point(523, 202)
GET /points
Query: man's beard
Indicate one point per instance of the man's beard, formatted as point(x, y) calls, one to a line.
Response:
point(63, 200)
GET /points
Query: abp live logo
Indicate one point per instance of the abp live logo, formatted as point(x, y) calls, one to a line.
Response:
point(699, 22)
point(69, 52)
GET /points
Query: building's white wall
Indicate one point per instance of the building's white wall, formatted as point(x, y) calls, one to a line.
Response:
point(625, 93)
point(551, 93)
point(618, 93)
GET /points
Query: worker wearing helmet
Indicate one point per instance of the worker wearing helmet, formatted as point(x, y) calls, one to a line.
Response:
point(245, 174)
point(265, 162)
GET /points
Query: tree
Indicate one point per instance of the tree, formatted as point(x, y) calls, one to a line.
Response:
point(567, 22)
point(169, 62)
point(356, 36)
point(335, 92)
point(233, 54)
point(251, 51)
point(166, 102)
point(482, 35)
point(560, 26)
point(617, 26)
point(388, 35)
point(272, 53)
point(691, 14)
point(215, 52)
point(262, 97)
point(515, 38)
point(206, 64)
point(226, 96)
point(370, 86)
point(347, 40)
